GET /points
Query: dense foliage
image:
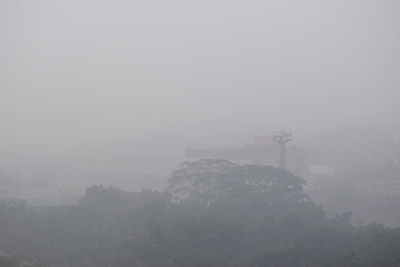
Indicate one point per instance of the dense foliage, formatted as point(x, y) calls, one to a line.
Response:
point(213, 213)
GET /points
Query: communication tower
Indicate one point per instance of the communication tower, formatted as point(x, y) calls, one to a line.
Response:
point(282, 138)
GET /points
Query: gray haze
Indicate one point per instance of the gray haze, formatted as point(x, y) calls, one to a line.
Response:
point(84, 71)
point(187, 133)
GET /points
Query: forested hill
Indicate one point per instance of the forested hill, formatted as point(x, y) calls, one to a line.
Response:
point(213, 213)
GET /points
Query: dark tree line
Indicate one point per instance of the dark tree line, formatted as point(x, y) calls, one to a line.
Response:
point(213, 213)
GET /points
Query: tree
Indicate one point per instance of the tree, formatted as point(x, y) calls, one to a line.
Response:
point(207, 182)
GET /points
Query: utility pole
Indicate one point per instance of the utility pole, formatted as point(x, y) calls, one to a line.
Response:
point(282, 138)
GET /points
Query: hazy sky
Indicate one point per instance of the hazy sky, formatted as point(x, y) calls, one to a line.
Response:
point(91, 69)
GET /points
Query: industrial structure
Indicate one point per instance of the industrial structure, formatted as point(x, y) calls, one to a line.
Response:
point(265, 150)
point(282, 138)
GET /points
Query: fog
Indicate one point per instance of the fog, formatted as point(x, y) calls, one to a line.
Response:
point(101, 100)
point(79, 71)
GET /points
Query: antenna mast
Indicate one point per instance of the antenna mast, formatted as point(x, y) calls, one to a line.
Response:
point(282, 138)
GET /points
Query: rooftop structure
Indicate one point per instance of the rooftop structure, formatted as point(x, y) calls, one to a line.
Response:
point(264, 151)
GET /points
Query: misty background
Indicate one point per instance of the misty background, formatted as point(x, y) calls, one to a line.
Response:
point(80, 72)
point(153, 133)
point(116, 91)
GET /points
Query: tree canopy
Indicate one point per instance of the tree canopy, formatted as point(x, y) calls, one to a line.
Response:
point(213, 213)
